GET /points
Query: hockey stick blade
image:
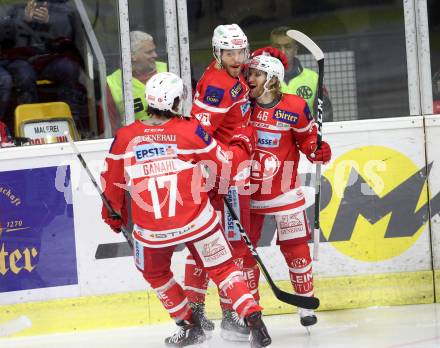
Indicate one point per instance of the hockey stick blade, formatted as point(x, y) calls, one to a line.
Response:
point(283, 296)
point(113, 250)
point(296, 300)
point(307, 42)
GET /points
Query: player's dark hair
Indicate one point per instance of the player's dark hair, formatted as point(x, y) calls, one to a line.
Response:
point(164, 113)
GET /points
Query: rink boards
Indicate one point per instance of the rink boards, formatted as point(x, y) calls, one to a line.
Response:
point(379, 245)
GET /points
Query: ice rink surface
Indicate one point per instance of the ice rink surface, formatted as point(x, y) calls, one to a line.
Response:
point(412, 326)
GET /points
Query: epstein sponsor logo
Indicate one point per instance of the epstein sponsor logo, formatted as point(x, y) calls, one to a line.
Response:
point(285, 116)
point(236, 90)
point(213, 95)
point(267, 139)
point(149, 151)
point(202, 134)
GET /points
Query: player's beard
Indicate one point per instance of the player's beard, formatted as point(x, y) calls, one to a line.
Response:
point(234, 71)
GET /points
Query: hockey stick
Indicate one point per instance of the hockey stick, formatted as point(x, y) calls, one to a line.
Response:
point(319, 56)
point(105, 201)
point(292, 299)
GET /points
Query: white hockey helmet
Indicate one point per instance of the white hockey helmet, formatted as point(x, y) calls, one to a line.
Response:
point(228, 37)
point(162, 90)
point(270, 65)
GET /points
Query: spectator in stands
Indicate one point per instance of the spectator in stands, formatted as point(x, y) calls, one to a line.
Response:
point(44, 49)
point(144, 66)
point(297, 79)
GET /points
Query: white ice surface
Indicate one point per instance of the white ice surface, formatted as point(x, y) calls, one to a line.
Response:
point(416, 326)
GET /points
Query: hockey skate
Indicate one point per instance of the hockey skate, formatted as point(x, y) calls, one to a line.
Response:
point(188, 334)
point(199, 311)
point(259, 336)
point(307, 318)
point(233, 328)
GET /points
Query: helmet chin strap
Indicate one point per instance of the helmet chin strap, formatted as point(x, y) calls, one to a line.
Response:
point(265, 88)
point(216, 52)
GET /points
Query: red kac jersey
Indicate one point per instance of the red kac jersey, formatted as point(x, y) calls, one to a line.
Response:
point(221, 103)
point(281, 129)
point(159, 165)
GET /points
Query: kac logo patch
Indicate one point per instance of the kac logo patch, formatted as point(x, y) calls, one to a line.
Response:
point(265, 165)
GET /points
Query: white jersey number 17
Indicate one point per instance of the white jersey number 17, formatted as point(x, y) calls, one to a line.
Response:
point(159, 183)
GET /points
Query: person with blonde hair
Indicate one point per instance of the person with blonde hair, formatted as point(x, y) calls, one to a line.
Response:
point(285, 128)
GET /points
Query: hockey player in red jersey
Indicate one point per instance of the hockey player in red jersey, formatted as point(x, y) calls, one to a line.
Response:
point(159, 160)
point(285, 127)
point(221, 105)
